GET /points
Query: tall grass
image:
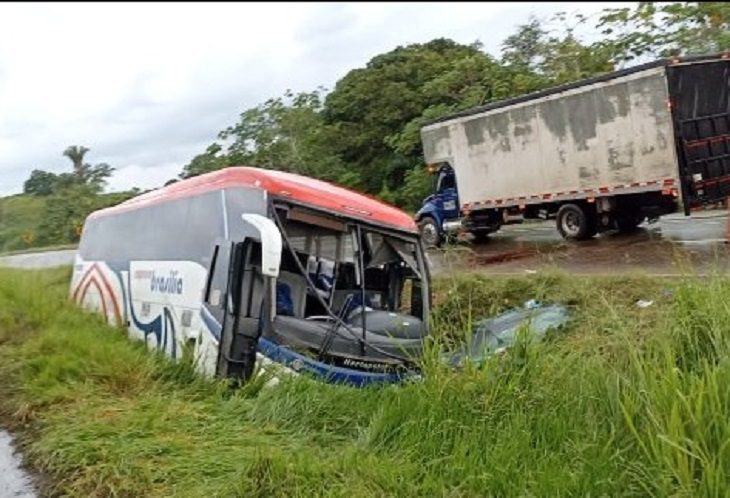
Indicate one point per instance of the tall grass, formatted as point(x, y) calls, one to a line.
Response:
point(625, 402)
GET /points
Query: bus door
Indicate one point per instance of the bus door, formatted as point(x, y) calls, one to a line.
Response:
point(232, 298)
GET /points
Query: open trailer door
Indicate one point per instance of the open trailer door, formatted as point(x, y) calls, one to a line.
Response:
point(700, 99)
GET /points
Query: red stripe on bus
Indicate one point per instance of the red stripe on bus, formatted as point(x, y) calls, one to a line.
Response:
point(309, 191)
point(112, 297)
point(92, 280)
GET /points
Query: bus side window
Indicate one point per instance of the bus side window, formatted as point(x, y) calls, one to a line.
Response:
point(217, 287)
point(208, 283)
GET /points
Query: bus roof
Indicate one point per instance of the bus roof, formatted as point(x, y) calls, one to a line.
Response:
point(283, 185)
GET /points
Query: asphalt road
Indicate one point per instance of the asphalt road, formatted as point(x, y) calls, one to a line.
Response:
point(674, 245)
point(39, 259)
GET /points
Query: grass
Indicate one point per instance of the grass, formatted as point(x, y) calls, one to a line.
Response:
point(30, 250)
point(626, 402)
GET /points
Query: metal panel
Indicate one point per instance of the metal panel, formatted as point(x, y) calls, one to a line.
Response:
point(700, 94)
point(615, 132)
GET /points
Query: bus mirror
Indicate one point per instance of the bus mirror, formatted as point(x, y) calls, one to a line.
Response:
point(270, 243)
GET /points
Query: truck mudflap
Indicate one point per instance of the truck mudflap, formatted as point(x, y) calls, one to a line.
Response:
point(700, 103)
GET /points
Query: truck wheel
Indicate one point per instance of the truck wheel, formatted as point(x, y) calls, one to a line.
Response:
point(574, 223)
point(430, 234)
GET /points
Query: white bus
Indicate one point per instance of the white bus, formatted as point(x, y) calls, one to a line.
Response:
point(246, 266)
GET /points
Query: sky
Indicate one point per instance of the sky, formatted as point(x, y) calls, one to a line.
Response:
point(147, 86)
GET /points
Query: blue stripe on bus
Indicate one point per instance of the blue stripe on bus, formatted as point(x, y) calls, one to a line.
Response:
point(324, 371)
point(211, 323)
point(298, 362)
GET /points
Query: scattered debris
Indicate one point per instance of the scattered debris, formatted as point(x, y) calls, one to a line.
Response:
point(532, 304)
point(641, 303)
point(494, 335)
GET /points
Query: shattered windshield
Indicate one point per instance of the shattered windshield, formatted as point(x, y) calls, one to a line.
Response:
point(350, 266)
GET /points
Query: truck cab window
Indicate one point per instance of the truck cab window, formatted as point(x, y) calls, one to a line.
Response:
point(446, 180)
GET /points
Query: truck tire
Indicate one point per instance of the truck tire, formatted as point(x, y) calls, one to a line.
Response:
point(575, 222)
point(430, 233)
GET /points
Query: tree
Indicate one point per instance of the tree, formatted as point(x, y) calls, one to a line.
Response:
point(285, 133)
point(76, 154)
point(366, 132)
point(210, 160)
point(523, 48)
point(370, 106)
point(40, 183)
point(63, 211)
point(549, 53)
point(94, 176)
point(659, 29)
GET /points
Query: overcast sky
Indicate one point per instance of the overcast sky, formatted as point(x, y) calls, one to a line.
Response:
point(148, 86)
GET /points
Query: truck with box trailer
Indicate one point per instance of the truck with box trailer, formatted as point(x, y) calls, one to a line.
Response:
point(605, 153)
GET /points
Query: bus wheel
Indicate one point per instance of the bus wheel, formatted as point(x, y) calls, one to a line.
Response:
point(574, 223)
point(430, 234)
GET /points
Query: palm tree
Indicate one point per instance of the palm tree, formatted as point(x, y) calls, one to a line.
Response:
point(76, 153)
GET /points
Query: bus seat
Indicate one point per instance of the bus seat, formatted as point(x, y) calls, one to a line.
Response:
point(297, 290)
point(355, 302)
point(284, 303)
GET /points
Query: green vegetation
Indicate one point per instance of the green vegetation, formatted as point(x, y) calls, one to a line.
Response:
point(52, 210)
point(34, 222)
point(364, 133)
point(19, 217)
point(627, 401)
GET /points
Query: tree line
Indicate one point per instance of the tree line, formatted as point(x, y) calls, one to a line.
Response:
point(69, 198)
point(364, 133)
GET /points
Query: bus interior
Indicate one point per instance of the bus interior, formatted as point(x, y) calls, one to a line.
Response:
point(346, 290)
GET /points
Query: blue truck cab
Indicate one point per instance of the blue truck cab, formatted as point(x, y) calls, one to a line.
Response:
point(439, 213)
point(440, 216)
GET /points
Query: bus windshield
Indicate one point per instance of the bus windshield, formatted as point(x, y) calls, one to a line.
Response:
point(348, 266)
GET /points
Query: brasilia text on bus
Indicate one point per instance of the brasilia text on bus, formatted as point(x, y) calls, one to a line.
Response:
point(170, 284)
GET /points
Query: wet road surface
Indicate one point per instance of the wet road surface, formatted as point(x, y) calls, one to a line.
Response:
point(39, 259)
point(14, 482)
point(674, 245)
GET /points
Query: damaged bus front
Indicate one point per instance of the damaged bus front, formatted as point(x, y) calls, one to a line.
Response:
point(338, 298)
point(343, 298)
